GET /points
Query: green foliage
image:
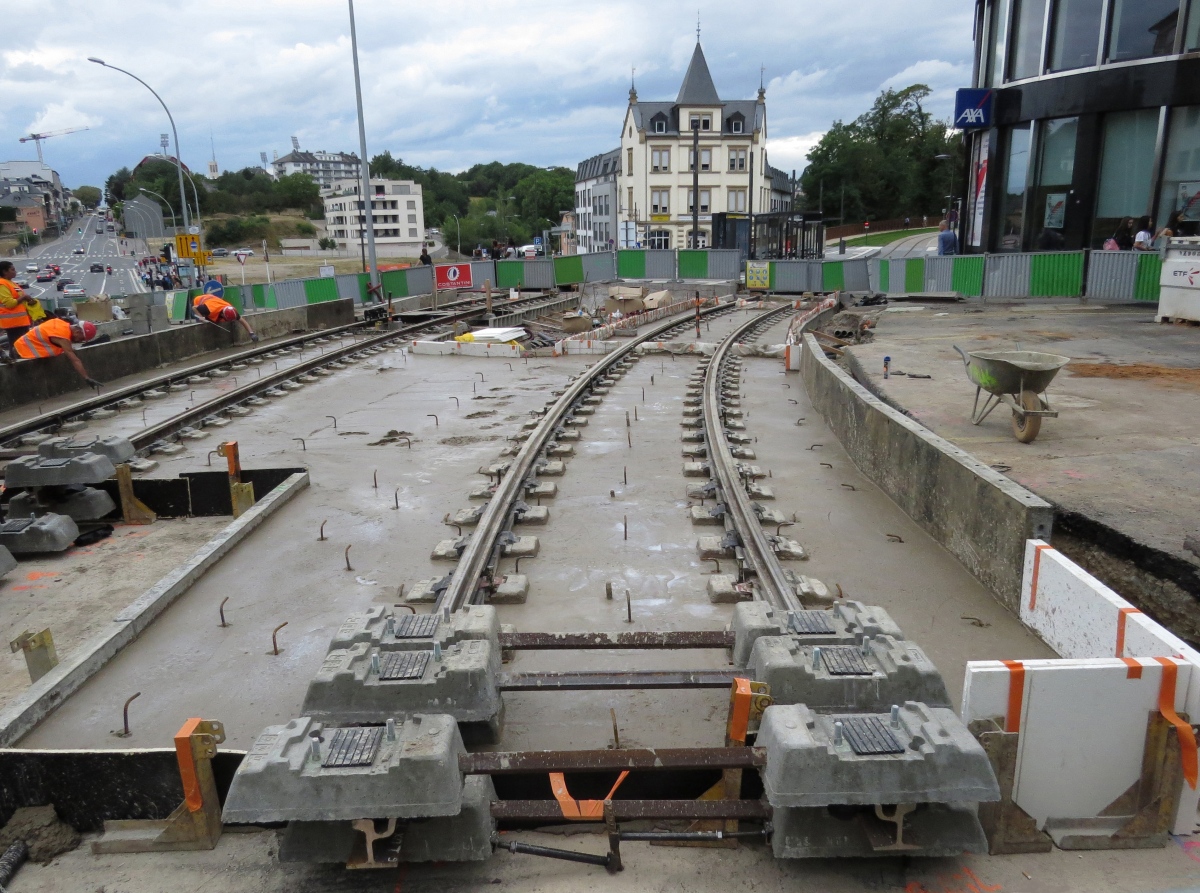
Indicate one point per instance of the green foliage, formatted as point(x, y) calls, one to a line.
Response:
point(304, 228)
point(885, 160)
point(327, 244)
point(237, 231)
point(89, 196)
point(248, 191)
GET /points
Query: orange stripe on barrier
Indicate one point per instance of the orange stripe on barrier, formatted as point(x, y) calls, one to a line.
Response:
point(1016, 694)
point(192, 795)
point(1125, 612)
point(1135, 668)
point(1037, 566)
point(1166, 706)
point(582, 810)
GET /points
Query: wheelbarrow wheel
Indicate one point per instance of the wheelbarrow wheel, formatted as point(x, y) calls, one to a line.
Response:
point(1026, 428)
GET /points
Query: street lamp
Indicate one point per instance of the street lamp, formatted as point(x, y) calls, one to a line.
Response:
point(459, 226)
point(367, 219)
point(174, 225)
point(178, 160)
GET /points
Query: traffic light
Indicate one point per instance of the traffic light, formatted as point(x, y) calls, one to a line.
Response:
point(166, 252)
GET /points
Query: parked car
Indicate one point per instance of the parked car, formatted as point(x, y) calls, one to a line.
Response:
point(247, 251)
point(31, 267)
point(96, 268)
point(45, 276)
point(74, 291)
point(64, 282)
point(220, 252)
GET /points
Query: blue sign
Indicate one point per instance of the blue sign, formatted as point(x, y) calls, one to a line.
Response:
point(537, 240)
point(215, 288)
point(973, 109)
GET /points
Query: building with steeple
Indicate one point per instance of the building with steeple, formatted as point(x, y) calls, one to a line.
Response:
point(655, 189)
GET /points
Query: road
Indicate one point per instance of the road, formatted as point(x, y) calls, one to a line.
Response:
point(104, 248)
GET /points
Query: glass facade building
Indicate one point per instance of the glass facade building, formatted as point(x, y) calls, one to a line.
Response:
point(1095, 125)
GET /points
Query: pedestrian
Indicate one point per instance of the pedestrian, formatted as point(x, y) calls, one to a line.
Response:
point(1122, 237)
point(216, 310)
point(1144, 240)
point(14, 308)
point(1163, 237)
point(55, 337)
point(426, 260)
point(906, 222)
point(947, 241)
point(952, 217)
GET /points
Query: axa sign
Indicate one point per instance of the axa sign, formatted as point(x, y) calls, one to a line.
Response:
point(973, 108)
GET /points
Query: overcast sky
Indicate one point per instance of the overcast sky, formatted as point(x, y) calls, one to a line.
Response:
point(445, 84)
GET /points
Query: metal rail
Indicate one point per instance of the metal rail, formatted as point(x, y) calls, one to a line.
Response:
point(680, 639)
point(773, 582)
point(536, 762)
point(620, 680)
point(482, 548)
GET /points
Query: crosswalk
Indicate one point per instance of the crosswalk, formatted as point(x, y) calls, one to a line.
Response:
point(102, 248)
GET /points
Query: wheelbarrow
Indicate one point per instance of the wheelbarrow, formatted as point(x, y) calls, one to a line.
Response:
point(1017, 378)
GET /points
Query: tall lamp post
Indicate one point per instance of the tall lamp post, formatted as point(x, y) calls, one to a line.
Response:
point(174, 225)
point(175, 133)
point(459, 226)
point(367, 219)
point(956, 227)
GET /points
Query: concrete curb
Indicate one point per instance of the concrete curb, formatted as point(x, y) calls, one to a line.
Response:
point(44, 696)
point(981, 516)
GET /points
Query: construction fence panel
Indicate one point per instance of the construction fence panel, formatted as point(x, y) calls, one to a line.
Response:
point(939, 273)
point(833, 276)
point(723, 263)
point(482, 272)
point(568, 270)
point(1111, 275)
point(420, 280)
point(966, 276)
point(320, 289)
point(631, 264)
point(854, 275)
point(539, 273)
point(660, 264)
point(693, 264)
point(1056, 274)
point(510, 273)
point(394, 283)
point(914, 275)
point(1006, 276)
point(1146, 283)
point(290, 293)
point(353, 286)
point(599, 267)
point(879, 274)
point(233, 294)
point(791, 277)
point(177, 302)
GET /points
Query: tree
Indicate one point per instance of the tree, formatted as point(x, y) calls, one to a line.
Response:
point(89, 196)
point(885, 160)
point(115, 184)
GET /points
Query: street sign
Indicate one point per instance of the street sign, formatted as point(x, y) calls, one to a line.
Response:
point(193, 230)
point(326, 271)
point(973, 109)
point(185, 246)
point(537, 240)
point(241, 258)
point(215, 288)
point(450, 276)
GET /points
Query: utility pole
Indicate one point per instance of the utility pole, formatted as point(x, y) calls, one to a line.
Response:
point(750, 208)
point(695, 239)
point(367, 218)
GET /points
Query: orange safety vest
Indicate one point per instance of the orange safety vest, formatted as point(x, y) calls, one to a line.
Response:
point(37, 344)
point(212, 306)
point(15, 316)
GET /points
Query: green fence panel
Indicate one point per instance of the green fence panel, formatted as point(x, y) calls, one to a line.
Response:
point(1056, 274)
point(510, 273)
point(269, 301)
point(966, 275)
point(320, 290)
point(631, 264)
point(233, 294)
point(771, 270)
point(833, 276)
point(394, 282)
point(914, 274)
point(178, 305)
point(568, 270)
point(1146, 279)
point(693, 264)
point(885, 276)
point(258, 295)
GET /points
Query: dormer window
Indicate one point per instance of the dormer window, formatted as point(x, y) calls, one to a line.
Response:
point(735, 126)
point(706, 123)
point(660, 126)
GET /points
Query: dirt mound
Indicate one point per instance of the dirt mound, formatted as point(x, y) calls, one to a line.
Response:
point(40, 827)
point(463, 440)
point(1137, 372)
point(482, 414)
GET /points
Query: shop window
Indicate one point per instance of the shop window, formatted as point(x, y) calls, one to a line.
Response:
point(698, 239)
point(1049, 199)
point(1029, 21)
point(1179, 201)
point(1076, 33)
point(1142, 28)
point(997, 40)
point(1126, 167)
point(1011, 210)
point(659, 239)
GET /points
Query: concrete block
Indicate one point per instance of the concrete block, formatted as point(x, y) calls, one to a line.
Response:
point(699, 451)
point(584, 410)
point(116, 449)
point(550, 469)
point(692, 423)
point(30, 536)
point(769, 516)
point(532, 514)
point(707, 514)
point(592, 401)
point(691, 412)
point(141, 466)
point(165, 448)
point(758, 491)
point(541, 489)
point(7, 562)
point(86, 504)
point(382, 628)
point(465, 517)
point(573, 422)
point(787, 549)
point(482, 491)
point(413, 775)
point(692, 437)
point(750, 472)
point(714, 547)
point(449, 550)
point(846, 623)
point(869, 678)
point(426, 591)
point(522, 547)
point(742, 453)
point(734, 437)
point(559, 449)
point(497, 469)
point(925, 755)
point(511, 589)
point(38, 471)
point(362, 684)
point(733, 414)
point(724, 589)
point(695, 469)
point(935, 830)
point(564, 436)
point(812, 592)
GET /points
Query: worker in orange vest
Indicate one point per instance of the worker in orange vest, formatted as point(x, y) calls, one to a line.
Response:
point(14, 307)
point(55, 337)
point(215, 310)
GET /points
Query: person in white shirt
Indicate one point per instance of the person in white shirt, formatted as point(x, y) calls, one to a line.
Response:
point(1144, 240)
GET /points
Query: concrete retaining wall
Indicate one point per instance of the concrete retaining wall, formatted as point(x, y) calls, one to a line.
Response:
point(32, 381)
point(978, 514)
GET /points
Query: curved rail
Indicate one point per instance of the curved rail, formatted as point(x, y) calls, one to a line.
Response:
point(482, 549)
point(772, 579)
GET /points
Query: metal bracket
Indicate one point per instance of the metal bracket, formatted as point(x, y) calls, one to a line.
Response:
point(240, 495)
point(133, 509)
point(40, 656)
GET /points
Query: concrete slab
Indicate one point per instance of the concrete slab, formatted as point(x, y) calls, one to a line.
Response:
point(7, 562)
point(33, 536)
point(39, 471)
point(116, 449)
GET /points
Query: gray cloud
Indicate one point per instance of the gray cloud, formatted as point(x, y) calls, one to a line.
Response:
point(447, 84)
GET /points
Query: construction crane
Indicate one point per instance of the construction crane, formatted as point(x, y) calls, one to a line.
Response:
point(38, 137)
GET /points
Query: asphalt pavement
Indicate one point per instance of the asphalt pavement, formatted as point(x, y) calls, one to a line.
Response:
point(103, 248)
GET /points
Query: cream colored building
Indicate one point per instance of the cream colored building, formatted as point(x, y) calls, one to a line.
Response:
point(397, 209)
point(655, 184)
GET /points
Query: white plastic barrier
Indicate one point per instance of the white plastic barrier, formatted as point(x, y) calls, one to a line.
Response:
point(504, 350)
point(1082, 726)
point(792, 349)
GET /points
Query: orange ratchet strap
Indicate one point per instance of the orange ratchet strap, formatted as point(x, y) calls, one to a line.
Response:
point(1166, 706)
point(583, 810)
point(1016, 694)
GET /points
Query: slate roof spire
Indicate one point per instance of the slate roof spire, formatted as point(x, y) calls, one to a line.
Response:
point(698, 87)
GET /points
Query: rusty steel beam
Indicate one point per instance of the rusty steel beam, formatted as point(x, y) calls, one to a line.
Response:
point(580, 641)
point(588, 680)
point(629, 810)
point(538, 761)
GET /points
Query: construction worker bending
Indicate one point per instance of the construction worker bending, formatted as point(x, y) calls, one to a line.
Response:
point(55, 337)
point(15, 320)
point(216, 310)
